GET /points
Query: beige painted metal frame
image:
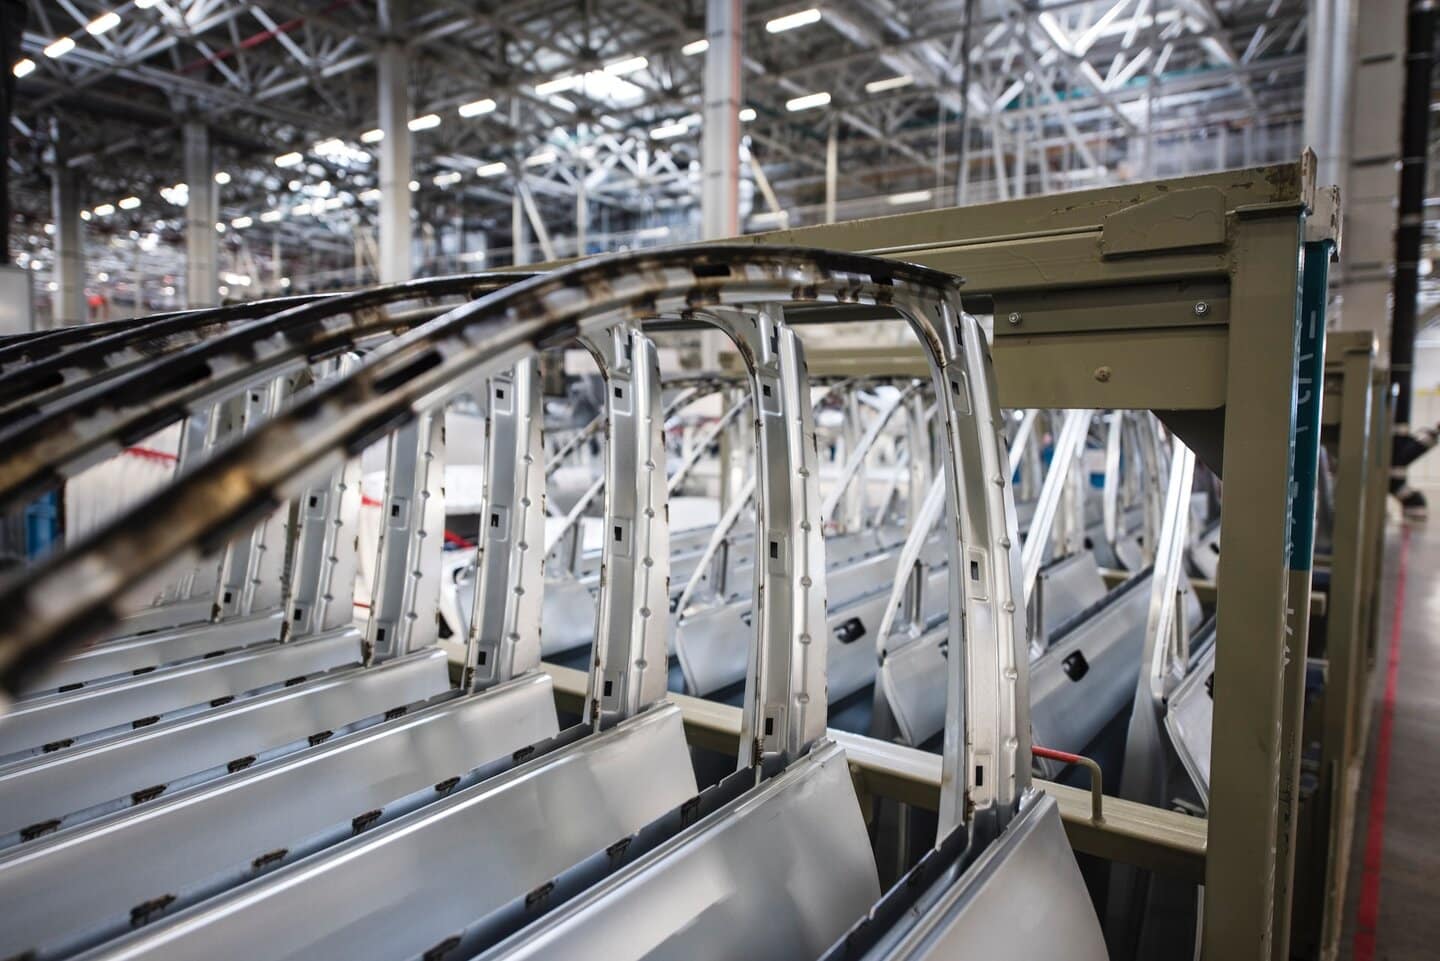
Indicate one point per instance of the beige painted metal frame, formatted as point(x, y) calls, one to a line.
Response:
point(1181, 297)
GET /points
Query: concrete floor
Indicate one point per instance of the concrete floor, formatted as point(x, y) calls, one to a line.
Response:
point(1393, 908)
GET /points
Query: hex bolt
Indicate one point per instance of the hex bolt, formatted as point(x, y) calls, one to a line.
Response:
point(1201, 308)
point(1102, 374)
point(1014, 318)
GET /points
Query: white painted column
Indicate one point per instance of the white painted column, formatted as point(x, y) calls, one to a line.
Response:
point(832, 170)
point(720, 141)
point(69, 299)
point(395, 229)
point(1370, 187)
point(519, 242)
point(202, 249)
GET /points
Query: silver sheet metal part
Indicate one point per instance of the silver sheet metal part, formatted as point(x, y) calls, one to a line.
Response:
point(778, 875)
point(161, 857)
point(51, 721)
point(1021, 900)
point(46, 793)
point(443, 865)
point(132, 655)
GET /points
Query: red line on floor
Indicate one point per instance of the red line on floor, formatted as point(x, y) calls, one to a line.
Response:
point(1367, 915)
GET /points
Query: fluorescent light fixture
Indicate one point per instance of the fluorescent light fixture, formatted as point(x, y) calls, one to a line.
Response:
point(558, 85)
point(222, 178)
point(414, 186)
point(747, 114)
point(491, 170)
point(541, 159)
point(129, 203)
point(300, 210)
point(890, 83)
point(102, 277)
point(219, 228)
point(240, 223)
point(476, 108)
point(666, 131)
point(334, 203)
point(372, 136)
point(800, 18)
point(145, 4)
point(652, 233)
point(695, 47)
point(293, 186)
point(270, 216)
point(85, 215)
point(104, 210)
point(102, 23)
point(60, 48)
point(239, 280)
point(909, 197)
point(808, 101)
point(369, 196)
point(291, 159)
point(620, 68)
point(447, 178)
point(327, 147)
point(23, 68)
point(425, 122)
point(770, 217)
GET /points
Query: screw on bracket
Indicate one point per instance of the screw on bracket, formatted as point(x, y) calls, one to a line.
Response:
point(1201, 308)
point(1014, 318)
point(1102, 374)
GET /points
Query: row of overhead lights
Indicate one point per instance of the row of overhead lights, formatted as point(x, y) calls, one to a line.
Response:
point(58, 48)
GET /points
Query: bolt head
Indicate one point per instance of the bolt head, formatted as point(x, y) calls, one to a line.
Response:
point(1201, 308)
point(1102, 374)
point(1014, 318)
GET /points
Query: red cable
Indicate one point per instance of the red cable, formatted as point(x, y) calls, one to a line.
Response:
point(1367, 913)
point(150, 453)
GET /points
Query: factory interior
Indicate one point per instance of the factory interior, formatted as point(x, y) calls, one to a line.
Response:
point(751, 480)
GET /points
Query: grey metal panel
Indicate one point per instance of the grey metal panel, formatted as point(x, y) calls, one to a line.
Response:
point(71, 890)
point(403, 887)
point(912, 678)
point(142, 699)
point(127, 655)
point(781, 874)
point(1068, 708)
point(79, 783)
point(1189, 716)
point(1022, 900)
point(712, 644)
point(1066, 587)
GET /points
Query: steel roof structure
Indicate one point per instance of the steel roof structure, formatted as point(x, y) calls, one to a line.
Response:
point(851, 108)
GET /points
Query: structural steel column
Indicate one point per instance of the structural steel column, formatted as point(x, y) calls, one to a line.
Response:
point(202, 249)
point(720, 141)
point(1251, 730)
point(69, 300)
point(394, 241)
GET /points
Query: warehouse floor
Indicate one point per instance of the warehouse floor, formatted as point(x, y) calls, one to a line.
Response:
point(1391, 912)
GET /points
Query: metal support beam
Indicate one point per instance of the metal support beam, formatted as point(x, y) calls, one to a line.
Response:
point(394, 70)
point(202, 261)
point(720, 142)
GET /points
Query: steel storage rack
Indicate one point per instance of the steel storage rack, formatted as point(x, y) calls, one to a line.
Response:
point(1182, 297)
